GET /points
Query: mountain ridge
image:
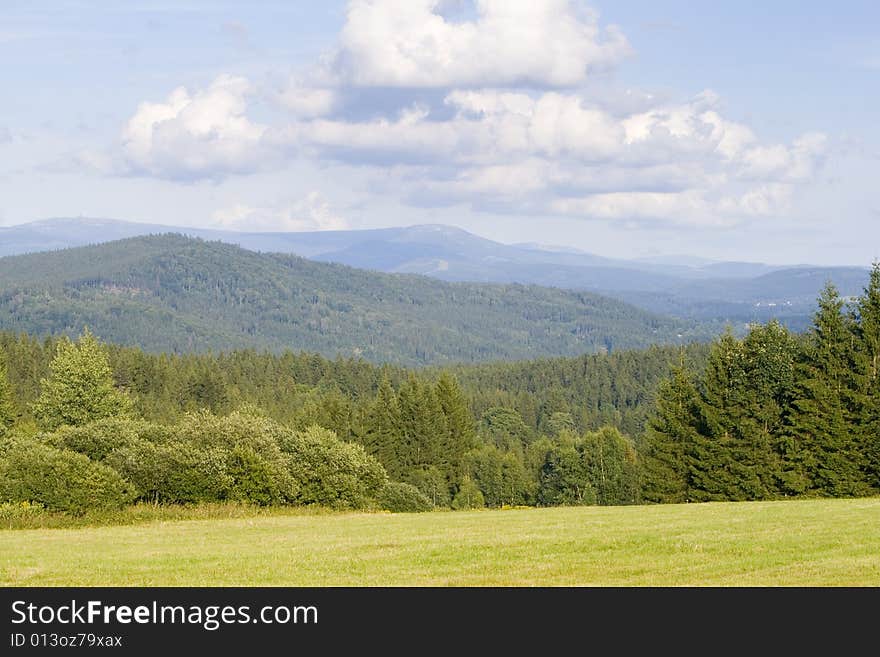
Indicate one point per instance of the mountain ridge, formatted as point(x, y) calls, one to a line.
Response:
point(730, 291)
point(180, 294)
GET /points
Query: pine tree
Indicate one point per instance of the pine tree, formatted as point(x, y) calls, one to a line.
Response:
point(422, 424)
point(822, 420)
point(671, 435)
point(763, 397)
point(867, 370)
point(715, 471)
point(383, 431)
point(460, 434)
point(7, 410)
point(80, 386)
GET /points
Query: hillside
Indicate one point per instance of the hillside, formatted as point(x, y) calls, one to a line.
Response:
point(692, 288)
point(174, 293)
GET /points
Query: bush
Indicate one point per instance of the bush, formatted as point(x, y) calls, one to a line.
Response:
point(258, 470)
point(208, 459)
point(330, 471)
point(400, 497)
point(98, 439)
point(60, 480)
point(177, 471)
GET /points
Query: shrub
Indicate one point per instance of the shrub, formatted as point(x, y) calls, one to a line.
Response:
point(98, 439)
point(330, 471)
point(59, 479)
point(257, 468)
point(207, 459)
point(401, 497)
point(174, 472)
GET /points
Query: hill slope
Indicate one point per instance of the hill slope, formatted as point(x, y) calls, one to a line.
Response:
point(174, 293)
point(693, 288)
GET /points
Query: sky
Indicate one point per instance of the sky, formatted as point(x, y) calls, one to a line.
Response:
point(626, 128)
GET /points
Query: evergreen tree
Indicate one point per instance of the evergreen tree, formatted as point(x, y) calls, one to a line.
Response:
point(822, 420)
point(422, 424)
point(770, 353)
point(383, 431)
point(716, 472)
point(460, 435)
point(80, 386)
point(672, 432)
point(868, 376)
point(7, 410)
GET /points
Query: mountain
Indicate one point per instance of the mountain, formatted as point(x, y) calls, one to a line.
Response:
point(686, 287)
point(181, 294)
point(443, 251)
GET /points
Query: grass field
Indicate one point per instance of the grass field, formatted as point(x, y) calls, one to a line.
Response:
point(809, 543)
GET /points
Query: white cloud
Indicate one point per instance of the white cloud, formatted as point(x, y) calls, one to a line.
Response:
point(200, 135)
point(310, 213)
point(689, 207)
point(555, 153)
point(407, 43)
point(307, 101)
point(489, 112)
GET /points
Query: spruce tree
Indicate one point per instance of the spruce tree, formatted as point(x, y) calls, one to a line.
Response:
point(80, 386)
point(383, 431)
point(7, 410)
point(867, 370)
point(671, 435)
point(763, 398)
point(822, 420)
point(460, 434)
point(715, 469)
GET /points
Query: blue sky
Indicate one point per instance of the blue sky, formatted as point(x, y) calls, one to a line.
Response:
point(730, 130)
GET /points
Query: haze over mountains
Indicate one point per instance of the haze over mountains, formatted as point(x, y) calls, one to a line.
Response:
point(686, 286)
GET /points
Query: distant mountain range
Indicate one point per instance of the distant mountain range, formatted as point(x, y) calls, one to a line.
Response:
point(682, 286)
point(182, 294)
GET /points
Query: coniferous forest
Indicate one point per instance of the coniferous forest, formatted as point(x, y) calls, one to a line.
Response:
point(774, 414)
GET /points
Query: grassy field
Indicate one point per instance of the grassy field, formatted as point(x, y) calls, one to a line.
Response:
point(809, 543)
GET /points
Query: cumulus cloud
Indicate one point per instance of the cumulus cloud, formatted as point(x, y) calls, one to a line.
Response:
point(310, 213)
point(552, 152)
point(307, 100)
point(205, 134)
point(490, 111)
point(409, 43)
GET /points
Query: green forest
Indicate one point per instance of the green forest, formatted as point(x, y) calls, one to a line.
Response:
point(169, 293)
point(770, 415)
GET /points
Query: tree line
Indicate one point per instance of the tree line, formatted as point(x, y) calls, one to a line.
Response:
point(771, 415)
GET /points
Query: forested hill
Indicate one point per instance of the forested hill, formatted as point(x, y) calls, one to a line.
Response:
point(179, 294)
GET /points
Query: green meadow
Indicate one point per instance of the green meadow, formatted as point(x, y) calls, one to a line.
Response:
point(786, 543)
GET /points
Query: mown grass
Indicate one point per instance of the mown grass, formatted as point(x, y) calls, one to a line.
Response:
point(803, 543)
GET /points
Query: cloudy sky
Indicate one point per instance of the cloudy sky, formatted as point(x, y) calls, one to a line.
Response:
point(621, 127)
